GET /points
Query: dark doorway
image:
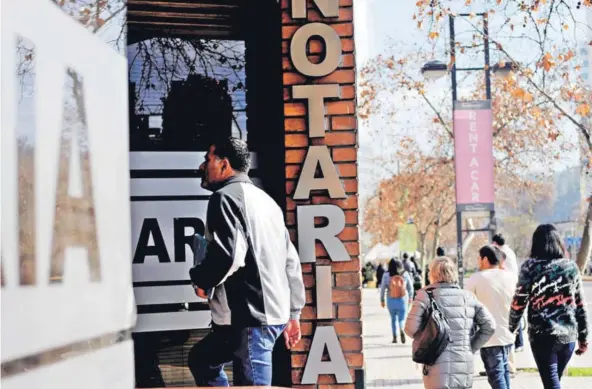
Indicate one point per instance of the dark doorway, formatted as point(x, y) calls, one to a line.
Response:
point(195, 67)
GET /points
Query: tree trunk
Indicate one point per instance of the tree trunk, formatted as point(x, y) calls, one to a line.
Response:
point(586, 247)
point(436, 241)
point(422, 252)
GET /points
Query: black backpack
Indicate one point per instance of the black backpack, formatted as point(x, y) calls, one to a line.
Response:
point(434, 335)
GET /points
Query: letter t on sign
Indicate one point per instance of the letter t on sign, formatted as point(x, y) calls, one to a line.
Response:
point(315, 94)
point(329, 8)
point(308, 234)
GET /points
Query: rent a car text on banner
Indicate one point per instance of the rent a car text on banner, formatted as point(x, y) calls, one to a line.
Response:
point(473, 148)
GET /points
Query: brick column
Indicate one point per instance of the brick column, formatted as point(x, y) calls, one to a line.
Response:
point(340, 137)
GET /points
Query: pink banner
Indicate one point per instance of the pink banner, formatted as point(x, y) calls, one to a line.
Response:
point(473, 147)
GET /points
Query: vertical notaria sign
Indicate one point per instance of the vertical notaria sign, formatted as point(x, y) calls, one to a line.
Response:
point(319, 176)
point(473, 147)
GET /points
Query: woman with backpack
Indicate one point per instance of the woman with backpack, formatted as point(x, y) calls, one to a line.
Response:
point(550, 285)
point(397, 287)
point(440, 322)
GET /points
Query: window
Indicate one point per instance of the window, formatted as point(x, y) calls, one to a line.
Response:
point(185, 89)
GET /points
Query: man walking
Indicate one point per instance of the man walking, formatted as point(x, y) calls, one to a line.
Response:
point(409, 266)
point(509, 263)
point(252, 266)
point(493, 287)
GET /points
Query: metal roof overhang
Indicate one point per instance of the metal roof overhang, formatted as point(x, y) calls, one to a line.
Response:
point(214, 19)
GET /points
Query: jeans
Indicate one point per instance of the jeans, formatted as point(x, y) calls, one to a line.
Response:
point(497, 367)
point(250, 350)
point(397, 307)
point(551, 358)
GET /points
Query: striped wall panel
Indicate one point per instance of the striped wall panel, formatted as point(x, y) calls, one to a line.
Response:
point(168, 206)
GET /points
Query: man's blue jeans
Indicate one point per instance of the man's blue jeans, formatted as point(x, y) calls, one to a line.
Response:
point(249, 349)
point(496, 364)
point(551, 358)
point(252, 358)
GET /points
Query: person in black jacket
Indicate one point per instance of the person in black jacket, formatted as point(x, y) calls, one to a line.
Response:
point(379, 273)
point(253, 268)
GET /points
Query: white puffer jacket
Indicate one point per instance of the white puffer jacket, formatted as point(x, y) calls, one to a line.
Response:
point(454, 368)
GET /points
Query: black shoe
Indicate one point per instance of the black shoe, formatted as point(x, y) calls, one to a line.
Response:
point(394, 338)
point(402, 337)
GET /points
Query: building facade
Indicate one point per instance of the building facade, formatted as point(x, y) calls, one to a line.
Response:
point(280, 75)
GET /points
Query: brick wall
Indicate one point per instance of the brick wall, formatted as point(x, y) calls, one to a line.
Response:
point(341, 138)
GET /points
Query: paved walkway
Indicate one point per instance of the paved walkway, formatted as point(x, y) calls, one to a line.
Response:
point(390, 366)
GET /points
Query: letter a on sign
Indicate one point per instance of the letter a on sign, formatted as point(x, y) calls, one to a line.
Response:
point(75, 225)
point(318, 156)
point(325, 337)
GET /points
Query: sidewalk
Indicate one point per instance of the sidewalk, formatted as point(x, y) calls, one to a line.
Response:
point(390, 366)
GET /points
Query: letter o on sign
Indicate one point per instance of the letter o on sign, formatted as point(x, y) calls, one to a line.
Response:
point(332, 49)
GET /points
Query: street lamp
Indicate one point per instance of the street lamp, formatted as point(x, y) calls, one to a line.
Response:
point(434, 70)
point(504, 68)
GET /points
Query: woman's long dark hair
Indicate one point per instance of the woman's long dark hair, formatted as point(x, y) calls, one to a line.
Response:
point(546, 243)
point(395, 267)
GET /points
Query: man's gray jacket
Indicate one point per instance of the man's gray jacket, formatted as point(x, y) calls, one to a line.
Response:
point(250, 259)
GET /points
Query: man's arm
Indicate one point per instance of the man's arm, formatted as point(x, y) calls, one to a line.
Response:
point(471, 284)
point(486, 326)
point(294, 273)
point(228, 248)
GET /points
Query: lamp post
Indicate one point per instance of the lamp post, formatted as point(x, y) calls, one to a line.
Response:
point(436, 69)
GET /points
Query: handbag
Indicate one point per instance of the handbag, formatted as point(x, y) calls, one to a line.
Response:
point(433, 336)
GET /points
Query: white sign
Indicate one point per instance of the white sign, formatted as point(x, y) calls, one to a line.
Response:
point(166, 212)
point(67, 298)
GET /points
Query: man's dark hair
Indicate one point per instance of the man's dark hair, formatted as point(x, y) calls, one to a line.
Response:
point(500, 239)
point(440, 252)
point(405, 256)
point(491, 253)
point(236, 151)
point(546, 243)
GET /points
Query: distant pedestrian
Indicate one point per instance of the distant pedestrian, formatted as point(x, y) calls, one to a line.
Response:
point(379, 273)
point(397, 287)
point(417, 275)
point(510, 263)
point(493, 287)
point(453, 369)
point(409, 266)
point(550, 286)
point(368, 274)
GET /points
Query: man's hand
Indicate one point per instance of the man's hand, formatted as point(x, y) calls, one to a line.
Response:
point(292, 334)
point(200, 292)
point(382, 304)
point(582, 348)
